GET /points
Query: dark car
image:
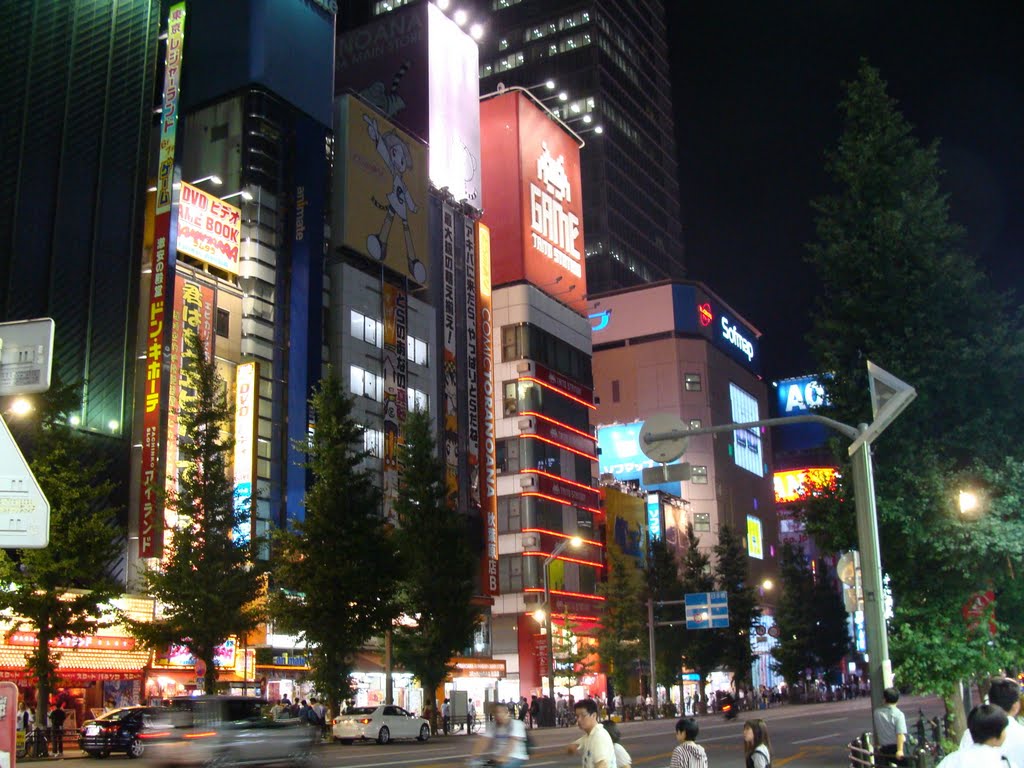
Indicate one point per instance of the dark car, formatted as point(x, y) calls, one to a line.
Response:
point(117, 731)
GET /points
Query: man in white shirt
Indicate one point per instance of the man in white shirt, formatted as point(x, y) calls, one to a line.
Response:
point(504, 740)
point(595, 747)
point(1004, 692)
point(987, 727)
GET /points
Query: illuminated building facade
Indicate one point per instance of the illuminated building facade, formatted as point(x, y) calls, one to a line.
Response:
point(611, 60)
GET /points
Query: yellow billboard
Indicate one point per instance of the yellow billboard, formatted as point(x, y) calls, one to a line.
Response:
point(626, 521)
point(379, 192)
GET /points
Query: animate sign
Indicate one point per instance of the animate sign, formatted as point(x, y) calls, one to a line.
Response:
point(555, 229)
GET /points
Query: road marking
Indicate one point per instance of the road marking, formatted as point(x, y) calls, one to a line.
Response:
point(816, 738)
point(833, 720)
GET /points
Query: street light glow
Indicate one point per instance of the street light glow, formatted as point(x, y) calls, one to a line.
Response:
point(539, 615)
point(443, 4)
point(21, 407)
point(461, 17)
point(968, 502)
point(549, 84)
point(599, 129)
point(768, 585)
point(476, 31)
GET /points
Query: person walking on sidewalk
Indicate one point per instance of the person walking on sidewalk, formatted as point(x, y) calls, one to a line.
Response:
point(688, 753)
point(57, 718)
point(987, 728)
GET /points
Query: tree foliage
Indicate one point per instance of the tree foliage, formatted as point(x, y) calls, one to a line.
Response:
point(794, 616)
point(702, 649)
point(897, 288)
point(830, 638)
point(573, 657)
point(435, 562)
point(732, 573)
point(209, 584)
point(664, 584)
point(341, 547)
point(63, 588)
point(622, 637)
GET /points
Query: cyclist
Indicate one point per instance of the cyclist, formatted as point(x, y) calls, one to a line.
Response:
point(503, 743)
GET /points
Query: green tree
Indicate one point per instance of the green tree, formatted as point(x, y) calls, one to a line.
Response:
point(621, 639)
point(733, 576)
point(341, 543)
point(573, 657)
point(435, 561)
point(209, 583)
point(896, 287)
point(62, 589)
point(702, 648)
point(794, 616)
point(830, 638)
point(664, 584)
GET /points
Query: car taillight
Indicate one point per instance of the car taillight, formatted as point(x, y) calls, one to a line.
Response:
point(154, 734)
point(111, 728)
point(364, 721)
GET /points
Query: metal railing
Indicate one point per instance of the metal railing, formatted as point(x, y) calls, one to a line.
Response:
point(927, 752)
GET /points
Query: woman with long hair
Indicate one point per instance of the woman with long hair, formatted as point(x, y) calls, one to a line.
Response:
point(756, 744)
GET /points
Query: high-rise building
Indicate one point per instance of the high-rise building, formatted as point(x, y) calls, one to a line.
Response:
point(610, 60)
point(77, 94)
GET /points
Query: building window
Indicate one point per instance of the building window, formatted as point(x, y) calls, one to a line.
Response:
point(695, 424)
point(416, 350)
point(702, 522)
point(366, 383)
point(615, 390)
point(507, 455)
point(366, 328)
point(373, 442)
point(510, 401)
point(699, 475)
point(417, 400)
point(746, 443)
point(691, 381)
point(510, 516)
point(223, 323)
point(510, 573)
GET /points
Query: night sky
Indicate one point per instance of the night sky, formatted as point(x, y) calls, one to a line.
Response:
point(756, 89)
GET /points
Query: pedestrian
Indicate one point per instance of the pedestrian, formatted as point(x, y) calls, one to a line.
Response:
point(987, 725)
point(524, 708)
point(688, 753)
point(534, 711)
point(504, 739)
point(890, 729)
point(756, 744)
point(617, 704)
point(595, 747)
point(1005, 692)
point(446, 715)
point(622, 758)
point(279, 711)
point(57, 718)
point(24, 718)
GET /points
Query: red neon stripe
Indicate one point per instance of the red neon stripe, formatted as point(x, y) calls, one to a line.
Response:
point(560, 535)
point(562, 392)
point(561, 480)
point(566, 559)
point(562, 501)
point(559, 445)
point(562, 424)
point(565, 594)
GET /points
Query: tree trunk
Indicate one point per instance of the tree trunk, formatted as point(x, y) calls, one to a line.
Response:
point(40, 662)
point(702, 699)
point(210, 681)
point(954, 702)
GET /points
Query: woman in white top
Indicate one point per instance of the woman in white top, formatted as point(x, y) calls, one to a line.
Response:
point(622, 758)
point(756, 744)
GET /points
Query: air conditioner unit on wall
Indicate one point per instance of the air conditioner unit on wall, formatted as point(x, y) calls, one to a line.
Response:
point(528, 481)
point(524, 366)
point(526, 425)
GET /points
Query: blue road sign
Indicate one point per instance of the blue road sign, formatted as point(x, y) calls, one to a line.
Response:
point(707, 610)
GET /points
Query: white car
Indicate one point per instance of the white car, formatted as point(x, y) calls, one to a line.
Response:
point(382, 723)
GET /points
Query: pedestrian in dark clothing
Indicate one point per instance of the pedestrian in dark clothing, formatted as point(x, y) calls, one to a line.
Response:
point(57, 718)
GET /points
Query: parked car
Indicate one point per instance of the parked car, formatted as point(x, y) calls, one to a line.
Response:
point(228, 731)
point(117, 731)
point(382, 723)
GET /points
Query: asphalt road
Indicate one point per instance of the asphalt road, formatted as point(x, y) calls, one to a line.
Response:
point(803, 736)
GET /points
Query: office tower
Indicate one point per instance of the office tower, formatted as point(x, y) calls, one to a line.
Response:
point(610, 59)
point(76, 96)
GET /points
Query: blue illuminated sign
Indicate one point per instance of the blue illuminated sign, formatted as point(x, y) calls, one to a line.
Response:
point(599, 320)
point(654, 515)
point(797, 396)
point(621, 455)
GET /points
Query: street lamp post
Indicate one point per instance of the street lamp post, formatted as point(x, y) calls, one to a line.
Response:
point(574, 542)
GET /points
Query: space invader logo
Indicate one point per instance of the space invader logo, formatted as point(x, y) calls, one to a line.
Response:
point(552, 173)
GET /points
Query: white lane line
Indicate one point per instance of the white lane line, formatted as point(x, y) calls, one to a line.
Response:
point(719, 738)
point(408, 760)
point(816, 738)
point(833, 720)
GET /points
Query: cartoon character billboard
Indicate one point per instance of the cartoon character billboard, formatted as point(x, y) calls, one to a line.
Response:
point(380, 190)
point(626, 519)
point(421, 71)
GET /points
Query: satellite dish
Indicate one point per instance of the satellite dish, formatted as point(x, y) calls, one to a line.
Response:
point(663, 451)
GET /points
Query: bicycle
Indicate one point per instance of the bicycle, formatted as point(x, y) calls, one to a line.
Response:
point(35, 744)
